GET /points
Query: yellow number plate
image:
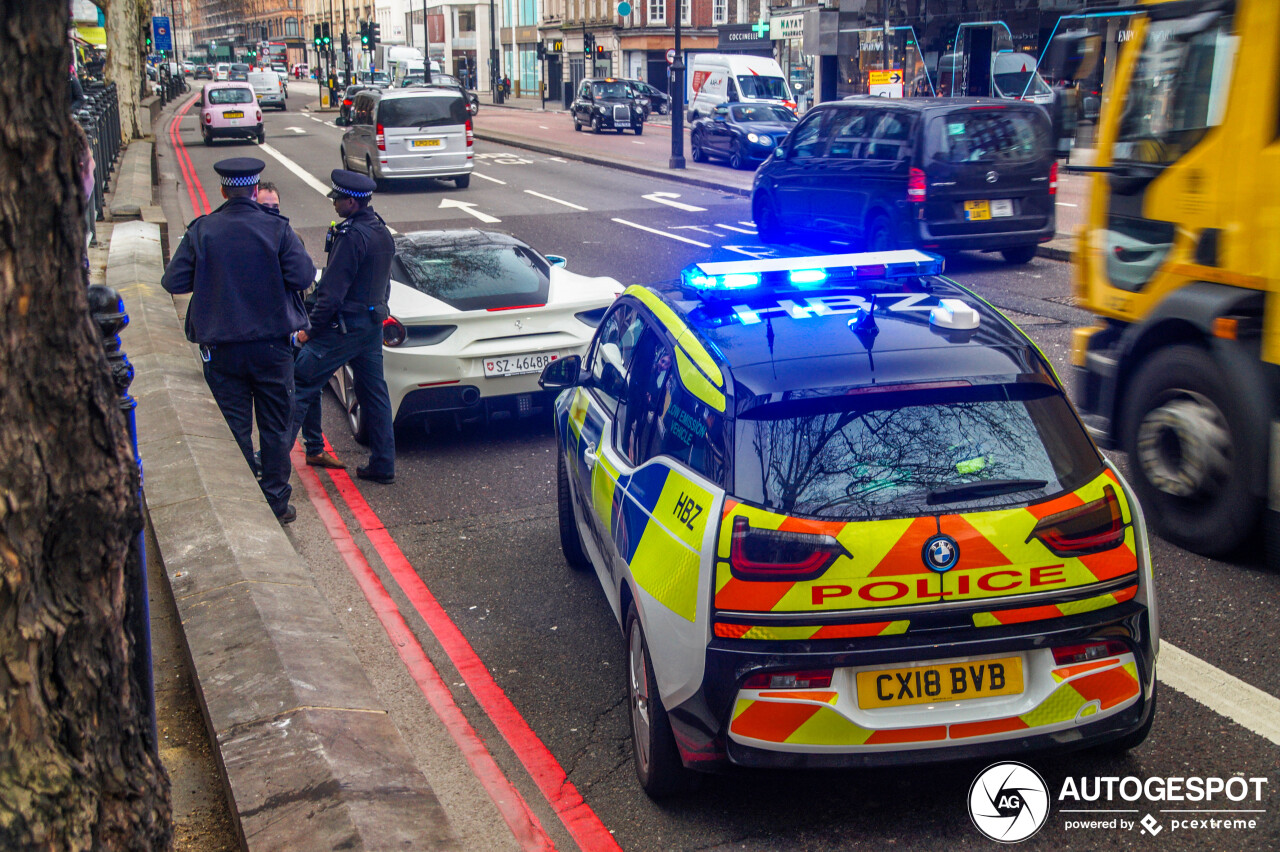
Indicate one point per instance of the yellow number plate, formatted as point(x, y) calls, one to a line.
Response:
point(236, 114)
point(975, 211)
point(426, 143)
point(938, 683)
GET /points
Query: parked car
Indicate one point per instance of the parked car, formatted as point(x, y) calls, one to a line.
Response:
point(239, 71)
point(203, 72)
point(946, 174)
point(607, 104)
point(659, 101)
point(743, 134)
point(188, 68)
point(230, 111)
point(348, 100)
point(410, 133)
point(475, 316)
point(269, 88)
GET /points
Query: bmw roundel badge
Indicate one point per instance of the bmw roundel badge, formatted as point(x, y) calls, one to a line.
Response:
point(941, 553)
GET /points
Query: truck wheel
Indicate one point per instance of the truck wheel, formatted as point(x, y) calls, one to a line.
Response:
point(653, 746)
point(1183, 429)
point(570, 540)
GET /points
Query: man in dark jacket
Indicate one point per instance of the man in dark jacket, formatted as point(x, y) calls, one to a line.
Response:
point(346, 320)
point(246, 270)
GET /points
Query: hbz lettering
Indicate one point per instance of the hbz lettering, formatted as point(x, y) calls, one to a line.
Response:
point(687, 511)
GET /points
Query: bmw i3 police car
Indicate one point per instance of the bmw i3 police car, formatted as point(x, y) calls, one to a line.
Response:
point(846, 516)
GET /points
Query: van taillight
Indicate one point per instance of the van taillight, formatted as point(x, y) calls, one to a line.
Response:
point(916, 190)
point(764, 554)
point(471, 137)
point(1053, 178)
point(1091, 528)
point(382, 139)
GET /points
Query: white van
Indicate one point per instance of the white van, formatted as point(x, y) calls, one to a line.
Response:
point(718, 78)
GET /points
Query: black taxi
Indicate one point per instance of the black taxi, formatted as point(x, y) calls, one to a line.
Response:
point(845, 516)
point(607, 104)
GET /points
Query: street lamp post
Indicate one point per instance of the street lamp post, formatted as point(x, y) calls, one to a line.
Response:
point(426, 42)
point(677, 99)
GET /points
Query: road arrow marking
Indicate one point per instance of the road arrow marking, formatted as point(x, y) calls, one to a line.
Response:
point(556, 200)
point(296, 129)
point(667, 199)
point(468, 208)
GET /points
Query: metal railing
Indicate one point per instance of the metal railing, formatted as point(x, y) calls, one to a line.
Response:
point(99, 115)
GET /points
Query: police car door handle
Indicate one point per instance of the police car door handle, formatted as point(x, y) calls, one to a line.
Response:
point(589, 455)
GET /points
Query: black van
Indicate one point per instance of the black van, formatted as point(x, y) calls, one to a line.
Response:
point(943, 174)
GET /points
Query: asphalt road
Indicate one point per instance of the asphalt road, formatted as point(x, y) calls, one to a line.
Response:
point(473, 511)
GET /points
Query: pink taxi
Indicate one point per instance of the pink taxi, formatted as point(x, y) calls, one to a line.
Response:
point(230, 111)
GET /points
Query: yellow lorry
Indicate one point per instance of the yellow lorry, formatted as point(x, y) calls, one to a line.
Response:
point(1179, 260)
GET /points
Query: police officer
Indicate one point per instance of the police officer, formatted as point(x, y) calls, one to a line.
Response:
point(246, 269)
point(346, 320)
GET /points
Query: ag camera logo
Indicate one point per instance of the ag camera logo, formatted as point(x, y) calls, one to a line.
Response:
point(1008, 802)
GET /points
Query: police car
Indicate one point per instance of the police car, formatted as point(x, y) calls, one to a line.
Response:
point(846, 516)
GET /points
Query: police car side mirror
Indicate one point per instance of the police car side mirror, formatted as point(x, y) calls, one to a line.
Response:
point(556, 260)
point(561, 373)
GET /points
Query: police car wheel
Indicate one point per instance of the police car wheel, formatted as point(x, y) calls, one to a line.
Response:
point(1184, 426)
point(653, 746)
point(570, 540)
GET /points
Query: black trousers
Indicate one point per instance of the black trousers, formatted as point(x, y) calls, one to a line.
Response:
point(257, 378)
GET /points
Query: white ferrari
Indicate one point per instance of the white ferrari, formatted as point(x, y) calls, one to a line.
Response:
point(475, 316)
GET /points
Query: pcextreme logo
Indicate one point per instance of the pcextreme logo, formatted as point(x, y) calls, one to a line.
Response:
point(1009, 802)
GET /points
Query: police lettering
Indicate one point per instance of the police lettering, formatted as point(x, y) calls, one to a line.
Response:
point(687, 511)
point(942, 585)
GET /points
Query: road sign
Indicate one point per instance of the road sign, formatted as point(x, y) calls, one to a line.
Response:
point(885, 84)
point(671, 56)
point(161, 33)
point(624, 8)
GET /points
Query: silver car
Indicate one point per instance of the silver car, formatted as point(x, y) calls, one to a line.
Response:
point(410, 133)
point(268, 87)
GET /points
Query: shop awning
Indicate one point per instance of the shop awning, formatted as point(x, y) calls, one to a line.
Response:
point(93, 35)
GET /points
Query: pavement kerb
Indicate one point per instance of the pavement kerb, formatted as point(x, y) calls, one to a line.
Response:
point(309, 756)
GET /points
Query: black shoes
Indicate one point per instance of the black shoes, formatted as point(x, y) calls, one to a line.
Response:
point(288, 516)
point(372, 476)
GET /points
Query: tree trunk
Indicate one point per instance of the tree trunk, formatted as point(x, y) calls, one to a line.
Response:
point(125, 24)
point(78, 768)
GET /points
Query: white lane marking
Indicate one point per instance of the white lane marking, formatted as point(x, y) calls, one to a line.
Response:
point(1066, 204)
point(701, 229)
point(486, 177)
point(668, 198)
point(296, 169)
point(557, 159)
point(736, 229)
point(636, 142)
point(296, 129)
point(556, 200)
point(751, 225)
point(468, 208)
point(330, 123)
point(1228, 696)
point(543, 127)
point(661, 233)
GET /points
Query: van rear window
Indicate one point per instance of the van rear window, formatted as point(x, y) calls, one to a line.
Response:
point(425, 111)
point(999, 135)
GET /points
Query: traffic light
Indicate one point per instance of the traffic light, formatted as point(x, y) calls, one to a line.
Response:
point(375, 34)
point(326, 38)
point(542, 51)
point(588, 43)
point(364, 35)
point(599, 47)
point(148, 41)
point(315, 35)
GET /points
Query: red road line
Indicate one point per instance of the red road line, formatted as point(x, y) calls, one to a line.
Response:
point(189, 173)
point(582, 822)
point(522, 821)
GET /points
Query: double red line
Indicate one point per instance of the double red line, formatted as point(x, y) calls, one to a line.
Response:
point(586, 828)
point(189, 176)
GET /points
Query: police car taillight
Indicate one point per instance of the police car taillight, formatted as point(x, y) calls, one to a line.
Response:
point(809, 679)
point(762, 554)
point(393, 332)
point(1091, 528)
point(1069, 654)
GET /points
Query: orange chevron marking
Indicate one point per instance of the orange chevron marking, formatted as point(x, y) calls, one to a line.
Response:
point(904, 557)
point(1115, 562)
point(1080, 668)
point(976, 550)
point(908, 735)
point(992, 726)
point(1127, 594)
point(731, 631)
point(1031, 613)
point(750, 596)
point(847, 631)
point(1109, 687)
point(1052, 507)
point(803, 525)
point(824, 697)
point(772, 721)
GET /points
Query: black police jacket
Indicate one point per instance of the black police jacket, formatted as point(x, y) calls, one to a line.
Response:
point(358, 275)
point(246, 270)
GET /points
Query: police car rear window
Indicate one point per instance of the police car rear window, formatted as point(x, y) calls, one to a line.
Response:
point(999, 135)
point(893, 454)
point(230, 96)
point(423, 111)
point(474, 277)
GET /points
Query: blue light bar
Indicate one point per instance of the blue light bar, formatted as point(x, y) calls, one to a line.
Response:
point(832, 270)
